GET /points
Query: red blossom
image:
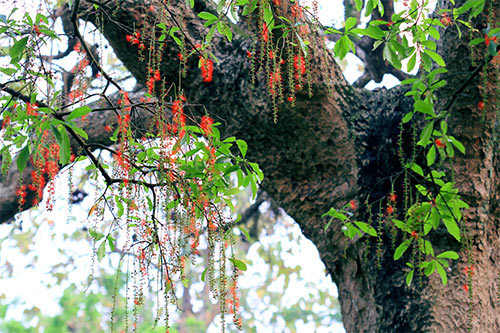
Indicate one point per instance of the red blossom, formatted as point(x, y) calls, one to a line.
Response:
point(353, 204)
point(265, 32)
point(36, 29)
point(77, 47)
point(206, 124)
point(445, 19)
point(299, 64)
point(249, 54)
point(389, 210)
point(393, 197)
point(439, 143)
point(414, 234)
point(274, 81)
point(480, 105)
point(207, 69)
point(31, 109)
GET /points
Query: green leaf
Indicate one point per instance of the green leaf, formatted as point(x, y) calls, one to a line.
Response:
point(95, 234)
point(424, 106)
point(444, 127)
point(417, 169)
point(407, 117)
point(22, 158)
point(431, 155)
point(411, 62)
point(409, 277)
point(448, 255)
point(207, 16)
point(64, 147)
point(350, 22)
point(232, 191)
point(243, 147)
point(203, 274)
point(79, 112)
point(436, 57)
point(441, 272)
point(434, 33)
point(426, 134)
point(8, 71)
point(101, 251)
point(429, 269)
point(253, 185)
point(476, 41)
point(257, 170)
point(452, 227)
point(371, 31)
point(16, 51)
point(80, 132)
point(239, 264)
point(111, 243)
point(459, 145)
point(244, 232)
point(400, 250)
point(365, 227)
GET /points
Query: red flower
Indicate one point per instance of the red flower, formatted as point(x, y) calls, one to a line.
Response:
point(290, 99)
point(129, 38)
point(107, 128)
point(31, 109)
point(206, 124)
point(36, 29)
point(480, 105)
point(249, 54)
point(354, 204)
point(77, 47)
point(439, 143)
point(414, 234)
point(393, 197)
point(466, 288)
point(207, 69)
point(389, 210)
point(265, 32)
point(299, 64)
point(445, 19)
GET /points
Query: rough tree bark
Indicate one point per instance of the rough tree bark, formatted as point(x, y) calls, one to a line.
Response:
point(332, 148)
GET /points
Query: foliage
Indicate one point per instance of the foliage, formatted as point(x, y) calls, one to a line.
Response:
point(168, 186)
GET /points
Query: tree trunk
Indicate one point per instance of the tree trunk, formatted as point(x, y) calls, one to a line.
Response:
point(341, 146)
